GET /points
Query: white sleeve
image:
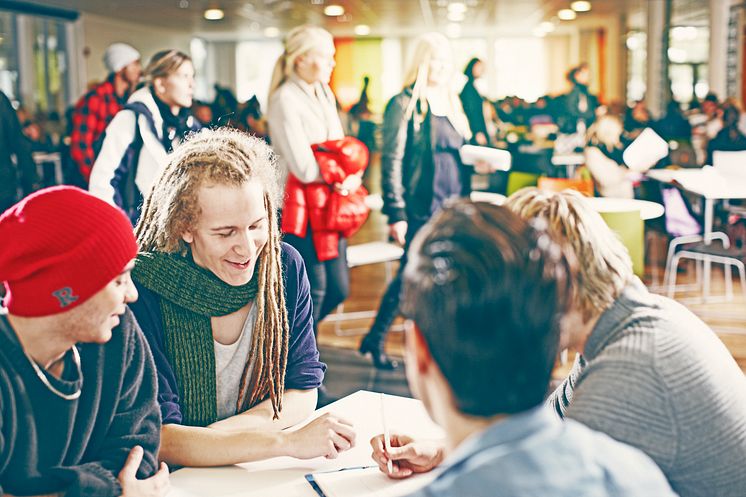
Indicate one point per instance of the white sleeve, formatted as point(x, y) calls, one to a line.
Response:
point(119, 135)
point(290, 141)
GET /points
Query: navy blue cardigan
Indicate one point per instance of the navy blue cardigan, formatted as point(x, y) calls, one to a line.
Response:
point(304, 370)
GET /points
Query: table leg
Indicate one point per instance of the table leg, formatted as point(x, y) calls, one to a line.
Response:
point(707, 234)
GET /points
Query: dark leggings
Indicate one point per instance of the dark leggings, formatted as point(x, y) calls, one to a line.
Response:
point(329, 280)
point(389, 308)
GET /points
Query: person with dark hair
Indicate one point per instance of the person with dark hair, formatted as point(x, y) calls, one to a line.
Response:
point(674, 125)
point(361, 118)
point(95, 110)
point(576, 110)
point(729, 138)
point(485, 293)
point(22, 172)
point(77, 379)
point(636, 118)
point(473, 102)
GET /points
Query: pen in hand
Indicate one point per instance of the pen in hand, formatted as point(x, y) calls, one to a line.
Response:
point(386, 438)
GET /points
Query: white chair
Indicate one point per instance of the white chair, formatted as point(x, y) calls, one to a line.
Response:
point(710, 253)
point(363, 254)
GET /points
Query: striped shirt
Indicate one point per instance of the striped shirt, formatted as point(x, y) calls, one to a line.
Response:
point(654, 376)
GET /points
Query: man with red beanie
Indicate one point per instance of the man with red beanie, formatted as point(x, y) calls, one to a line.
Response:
point(77, 382)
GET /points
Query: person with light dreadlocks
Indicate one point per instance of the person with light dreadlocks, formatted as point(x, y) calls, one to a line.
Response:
point(226, 309)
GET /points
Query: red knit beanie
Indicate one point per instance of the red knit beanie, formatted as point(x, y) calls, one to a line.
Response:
point(59, 247)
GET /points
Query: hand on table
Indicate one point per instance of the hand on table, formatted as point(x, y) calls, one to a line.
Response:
point(327, 436)
point(156, 486)
point(408, 456)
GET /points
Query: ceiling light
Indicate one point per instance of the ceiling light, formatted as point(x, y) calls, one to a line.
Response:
point(580, 6)
point(362, 30)
point(456, 16)
point(271, 32)
point(334, 10)
point(214, 14)
point(547, 26)
point(453, 30)
point(567, 14)
point(183, 4)
point(457, 7)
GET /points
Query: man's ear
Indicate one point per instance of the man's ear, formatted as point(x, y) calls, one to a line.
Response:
point(418, 350)
point(188, 237)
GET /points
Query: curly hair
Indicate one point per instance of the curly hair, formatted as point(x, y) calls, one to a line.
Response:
point(228, 157)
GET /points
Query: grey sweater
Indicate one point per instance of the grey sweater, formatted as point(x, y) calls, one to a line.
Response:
point(48, 444)
point(653, 375)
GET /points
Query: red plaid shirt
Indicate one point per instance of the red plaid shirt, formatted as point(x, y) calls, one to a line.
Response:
point(93, 112)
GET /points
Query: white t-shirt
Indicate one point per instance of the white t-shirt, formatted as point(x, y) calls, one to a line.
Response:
point(229, 364)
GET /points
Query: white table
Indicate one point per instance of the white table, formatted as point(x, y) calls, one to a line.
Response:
point(285, 476)
point(648, 210)
point(709, 184)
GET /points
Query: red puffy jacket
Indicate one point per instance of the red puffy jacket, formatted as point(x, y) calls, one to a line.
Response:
point(331, 214)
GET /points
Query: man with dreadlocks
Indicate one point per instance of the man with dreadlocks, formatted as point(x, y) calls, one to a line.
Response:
point(226, 309)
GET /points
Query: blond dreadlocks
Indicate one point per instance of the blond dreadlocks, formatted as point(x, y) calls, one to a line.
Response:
point(231, 157)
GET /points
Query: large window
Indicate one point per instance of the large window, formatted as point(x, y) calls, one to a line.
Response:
point(51, 88)
point(8, 55)
point(687, 56)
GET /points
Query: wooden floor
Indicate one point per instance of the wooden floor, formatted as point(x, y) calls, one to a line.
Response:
point(367, 284)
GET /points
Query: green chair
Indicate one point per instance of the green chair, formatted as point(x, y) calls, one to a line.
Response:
point(518, 180)
point(630, 228)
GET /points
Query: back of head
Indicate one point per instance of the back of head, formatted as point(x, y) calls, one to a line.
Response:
point(60, 246)
point(165, 63)
point(298, 41)
point(605, 267)
point(487, 291)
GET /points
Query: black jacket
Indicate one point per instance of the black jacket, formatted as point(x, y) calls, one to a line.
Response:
point(78, 446)
point(14, 143)
point(473, 104)
point(407, 162)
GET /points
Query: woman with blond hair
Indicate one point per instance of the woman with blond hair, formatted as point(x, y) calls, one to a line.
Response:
point(302, 112)
point(424, 127)
point(138, 140)
point(225, 307)
point(603, 158)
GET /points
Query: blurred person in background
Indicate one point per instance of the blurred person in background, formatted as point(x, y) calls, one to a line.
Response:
point(473, 102)
point(424, 127)
point(139, 138)
point(18, 175)
point(603, 158)
point(730, 138)
point(303, 112)
point(95, 110)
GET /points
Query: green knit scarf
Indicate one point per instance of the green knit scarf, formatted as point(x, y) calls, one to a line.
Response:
point(190, 296)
